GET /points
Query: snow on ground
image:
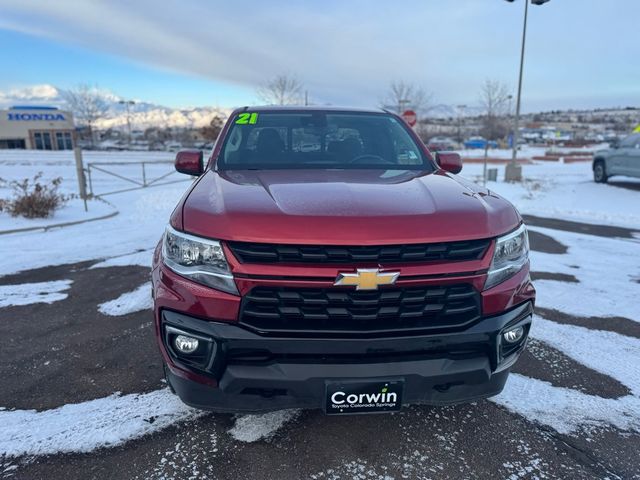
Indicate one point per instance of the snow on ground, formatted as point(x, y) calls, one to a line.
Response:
point(525, 151)
point(357, 470)
point(606, 352)
point(566, 410)
point(528, 151)
point(607, 270)
point(251, 428)
point(72, 211)
point(20, 164)
point(183, 459)
point(140, 224)
point(135, 301)
point(142, 259)
point(28, 293)
point(83, 427)
point(566, 191)
point(143, 213)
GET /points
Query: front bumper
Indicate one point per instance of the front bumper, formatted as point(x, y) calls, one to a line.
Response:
point(248, 372)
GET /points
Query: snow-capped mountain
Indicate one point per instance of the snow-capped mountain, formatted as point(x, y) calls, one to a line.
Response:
point(145, 115)
point(142, 114)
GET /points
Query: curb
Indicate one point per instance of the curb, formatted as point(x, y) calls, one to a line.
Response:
point(58, 225)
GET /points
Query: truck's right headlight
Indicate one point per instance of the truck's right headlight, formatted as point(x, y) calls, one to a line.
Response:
point(511, 254)
point(200, 259)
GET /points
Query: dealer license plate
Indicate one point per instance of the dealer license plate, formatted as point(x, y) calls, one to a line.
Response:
point(351, 397)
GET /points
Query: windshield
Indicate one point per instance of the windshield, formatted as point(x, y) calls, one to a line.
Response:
point(274, 140)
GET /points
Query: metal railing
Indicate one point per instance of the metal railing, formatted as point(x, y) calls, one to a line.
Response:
point(141, 182)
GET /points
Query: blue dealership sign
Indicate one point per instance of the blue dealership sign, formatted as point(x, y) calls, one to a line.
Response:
point(33, 117)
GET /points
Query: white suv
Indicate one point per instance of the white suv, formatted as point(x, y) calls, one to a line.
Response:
point(620, 159)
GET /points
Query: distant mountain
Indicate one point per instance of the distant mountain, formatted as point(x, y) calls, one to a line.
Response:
point(147, 115)
point(143, 114)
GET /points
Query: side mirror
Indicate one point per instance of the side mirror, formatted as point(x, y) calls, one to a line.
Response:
point(190, 162)
point(615, 143)
point(449, 161)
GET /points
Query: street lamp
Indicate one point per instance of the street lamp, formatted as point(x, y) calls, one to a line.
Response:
point(509, 133)
point(127, 103)
point(513, 172)
point(460, 113)
point(403, 103)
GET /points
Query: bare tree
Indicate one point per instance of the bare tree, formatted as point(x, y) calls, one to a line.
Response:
point(211, 131)
point(494, 97)
point(402, 95)
point(87, 105)
point(282, 89)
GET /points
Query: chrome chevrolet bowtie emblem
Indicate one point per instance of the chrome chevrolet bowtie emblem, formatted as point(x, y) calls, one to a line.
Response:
point(367, 278)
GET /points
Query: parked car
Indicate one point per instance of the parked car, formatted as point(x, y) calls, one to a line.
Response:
point(623, 158)
point(356, 276)
point(441, 144)
point(479, 142)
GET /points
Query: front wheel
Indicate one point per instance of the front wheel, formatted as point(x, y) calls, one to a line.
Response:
point(599, 173)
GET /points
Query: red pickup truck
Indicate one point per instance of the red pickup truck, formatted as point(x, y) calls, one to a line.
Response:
point(324, 258)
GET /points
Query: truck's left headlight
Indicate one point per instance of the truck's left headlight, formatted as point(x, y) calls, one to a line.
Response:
point(199, 259)
point(510, 255)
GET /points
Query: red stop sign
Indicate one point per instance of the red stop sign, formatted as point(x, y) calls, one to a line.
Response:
point(410, 117)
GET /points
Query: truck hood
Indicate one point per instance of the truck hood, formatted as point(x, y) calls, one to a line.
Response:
point(343, 207)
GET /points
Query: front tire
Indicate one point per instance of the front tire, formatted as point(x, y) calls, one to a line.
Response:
point(599, 172)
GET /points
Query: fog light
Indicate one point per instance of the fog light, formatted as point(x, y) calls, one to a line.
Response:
point(514, 335)
point(185, 344)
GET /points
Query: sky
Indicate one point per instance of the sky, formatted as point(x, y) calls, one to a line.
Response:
point(180, 53)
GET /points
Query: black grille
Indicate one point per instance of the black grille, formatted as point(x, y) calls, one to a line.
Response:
point(344, 311)
point(278, 253)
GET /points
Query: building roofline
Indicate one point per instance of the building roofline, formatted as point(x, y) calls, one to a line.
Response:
point(32, 107)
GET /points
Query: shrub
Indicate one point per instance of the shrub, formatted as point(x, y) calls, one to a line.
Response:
point(33, 198)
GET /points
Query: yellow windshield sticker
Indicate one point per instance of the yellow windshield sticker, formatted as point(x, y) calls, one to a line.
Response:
point(247, 119)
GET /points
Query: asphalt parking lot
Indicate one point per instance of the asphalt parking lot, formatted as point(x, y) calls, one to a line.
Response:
point(67, 352)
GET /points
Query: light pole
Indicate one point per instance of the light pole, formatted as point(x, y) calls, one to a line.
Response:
point(127, 103)
point(402, 105)
point(460, 112)
point(513, 172)
point(509, 98)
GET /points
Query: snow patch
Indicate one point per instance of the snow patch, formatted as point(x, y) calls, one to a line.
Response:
point(358, 469)
point(251, 428)
point(565, 191)
point(606, 268)
point(72, 211)
point(147, 209)
point(184, 460)
point(606, 352)
point(83, 427)
point(551, 262)
point(130, 302)
point(142, 259)
point(30, 293)
point(566, 410)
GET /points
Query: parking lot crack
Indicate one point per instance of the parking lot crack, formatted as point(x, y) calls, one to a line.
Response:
point(581, 455)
